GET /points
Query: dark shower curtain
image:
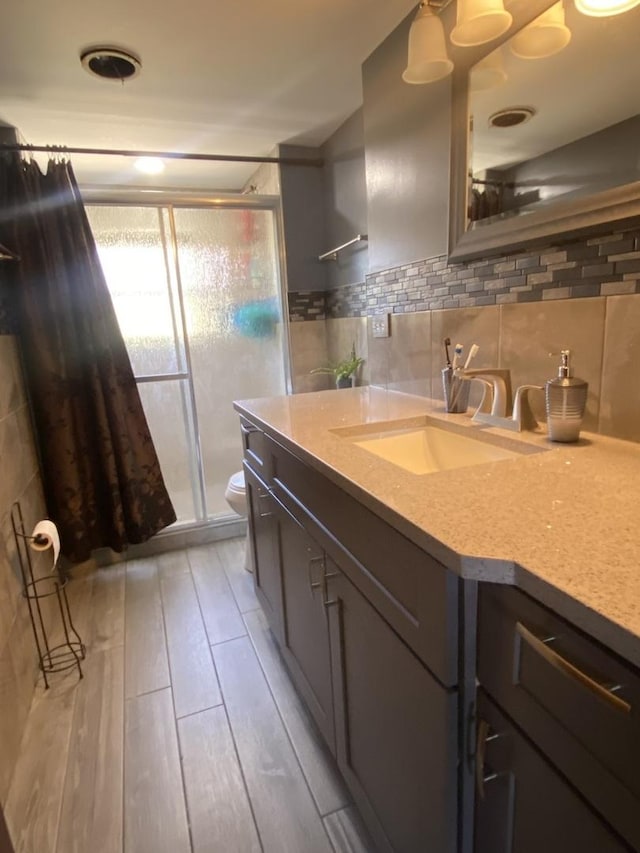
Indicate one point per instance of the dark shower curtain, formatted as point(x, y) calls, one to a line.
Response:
point(102, 480)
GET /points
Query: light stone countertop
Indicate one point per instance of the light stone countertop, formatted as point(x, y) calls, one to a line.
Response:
point(563, 525)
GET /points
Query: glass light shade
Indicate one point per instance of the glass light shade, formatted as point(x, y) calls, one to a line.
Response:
point(544, 36)
point(488, 73)
point(479, 21)
point(428, 60)
point(604, 8)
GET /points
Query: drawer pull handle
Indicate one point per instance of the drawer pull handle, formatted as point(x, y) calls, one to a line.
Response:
point(248, 430)
point(264, 497)
point(481, 748)
point(326, 576)
point(314, 584)
point(552, 657)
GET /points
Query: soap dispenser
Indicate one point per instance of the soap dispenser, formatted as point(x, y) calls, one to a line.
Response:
point(566, 399)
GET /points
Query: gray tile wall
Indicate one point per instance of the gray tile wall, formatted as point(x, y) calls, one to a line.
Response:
point(598, 266)
point(578, 295)
point(603, 334)
point(19, 480)
point(306, 305)
point(606, 265)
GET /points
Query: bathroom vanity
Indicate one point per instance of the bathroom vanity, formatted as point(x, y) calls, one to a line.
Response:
point(478, 689)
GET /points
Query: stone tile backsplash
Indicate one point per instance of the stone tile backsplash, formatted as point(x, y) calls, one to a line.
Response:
point(306, 305)
point(607, 265)
point(578, 294)
point(598, 266)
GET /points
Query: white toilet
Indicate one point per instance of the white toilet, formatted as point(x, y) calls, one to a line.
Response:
point(236, 496)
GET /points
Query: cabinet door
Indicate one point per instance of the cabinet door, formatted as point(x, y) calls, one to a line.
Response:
point(523, 805)
point(266, 575)
point(305, 645)
point(395, 729)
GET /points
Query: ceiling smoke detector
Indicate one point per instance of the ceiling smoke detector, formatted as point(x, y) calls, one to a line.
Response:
point(511, 116)
point(110, 63)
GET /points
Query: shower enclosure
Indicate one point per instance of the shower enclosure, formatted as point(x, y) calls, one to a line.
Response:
point(197, 287)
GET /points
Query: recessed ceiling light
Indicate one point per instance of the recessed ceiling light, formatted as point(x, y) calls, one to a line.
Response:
point(149, 165)
point(511, 116)
point(110, 63)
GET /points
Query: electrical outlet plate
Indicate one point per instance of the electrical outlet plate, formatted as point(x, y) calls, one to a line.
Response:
point(380, 325)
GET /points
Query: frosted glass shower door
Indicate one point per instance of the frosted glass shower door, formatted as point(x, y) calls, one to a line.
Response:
point(198, 298)
point(132, 246)
point(228, 266)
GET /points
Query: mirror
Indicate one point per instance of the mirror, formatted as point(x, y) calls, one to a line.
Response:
point(552, 144)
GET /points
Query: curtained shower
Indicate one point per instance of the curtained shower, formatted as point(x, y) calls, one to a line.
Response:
point(102, 481)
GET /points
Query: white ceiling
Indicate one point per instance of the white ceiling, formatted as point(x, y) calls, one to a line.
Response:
point(217, 77)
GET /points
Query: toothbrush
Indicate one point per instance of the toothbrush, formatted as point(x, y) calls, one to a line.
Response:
point(447, 344)
point(472, 354)
point(457, 355)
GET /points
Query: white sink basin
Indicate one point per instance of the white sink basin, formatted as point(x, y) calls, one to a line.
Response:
point(432, 446)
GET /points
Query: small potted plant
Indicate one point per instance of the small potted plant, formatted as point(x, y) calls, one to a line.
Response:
point(344, 371)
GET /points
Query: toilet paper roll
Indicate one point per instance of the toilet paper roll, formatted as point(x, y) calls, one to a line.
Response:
point(47, 537)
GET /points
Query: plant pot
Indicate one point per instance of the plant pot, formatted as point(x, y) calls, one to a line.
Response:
point(345, 382)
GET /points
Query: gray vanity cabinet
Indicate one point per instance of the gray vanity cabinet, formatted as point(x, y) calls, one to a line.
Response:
point(305, 641)
point(578, 704)
point(383, 644)
point(266, 561)
point(524, 805)
point(394, 734)
point(367, 624)
point(395, 728)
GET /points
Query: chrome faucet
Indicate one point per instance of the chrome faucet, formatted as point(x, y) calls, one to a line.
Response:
point(523, 416)
point(499, 380)
point(497, 407)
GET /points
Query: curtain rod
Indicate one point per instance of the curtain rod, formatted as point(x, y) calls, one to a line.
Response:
point(165, 155)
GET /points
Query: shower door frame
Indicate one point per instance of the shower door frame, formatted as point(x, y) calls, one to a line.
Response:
point(170, 200)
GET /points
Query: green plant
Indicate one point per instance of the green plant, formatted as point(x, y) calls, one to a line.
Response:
point(343, 369)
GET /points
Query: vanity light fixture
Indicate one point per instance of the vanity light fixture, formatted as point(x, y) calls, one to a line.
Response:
point(479, 21)
point(428, 60)
point(488, 73)
point(605, 8)
point(546, 35)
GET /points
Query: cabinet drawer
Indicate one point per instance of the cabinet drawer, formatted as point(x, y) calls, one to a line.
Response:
point(416, 595)
point(578, 701)
point(523, 805)
point(253, 445)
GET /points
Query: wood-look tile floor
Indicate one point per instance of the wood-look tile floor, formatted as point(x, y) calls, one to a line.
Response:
point(185, 734)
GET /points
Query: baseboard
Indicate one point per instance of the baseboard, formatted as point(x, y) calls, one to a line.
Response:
point(174, 539)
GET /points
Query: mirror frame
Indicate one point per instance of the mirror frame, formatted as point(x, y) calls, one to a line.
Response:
point(591, 214)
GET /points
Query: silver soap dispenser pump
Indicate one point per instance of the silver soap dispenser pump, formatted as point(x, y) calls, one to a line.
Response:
point(566, 399)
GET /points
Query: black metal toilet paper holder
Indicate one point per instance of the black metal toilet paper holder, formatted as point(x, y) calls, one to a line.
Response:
point(71, 651)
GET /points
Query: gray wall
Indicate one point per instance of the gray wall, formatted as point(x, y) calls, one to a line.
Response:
point(345, 201)
point(406, 131)
point(302, 212)
point(597, 162)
